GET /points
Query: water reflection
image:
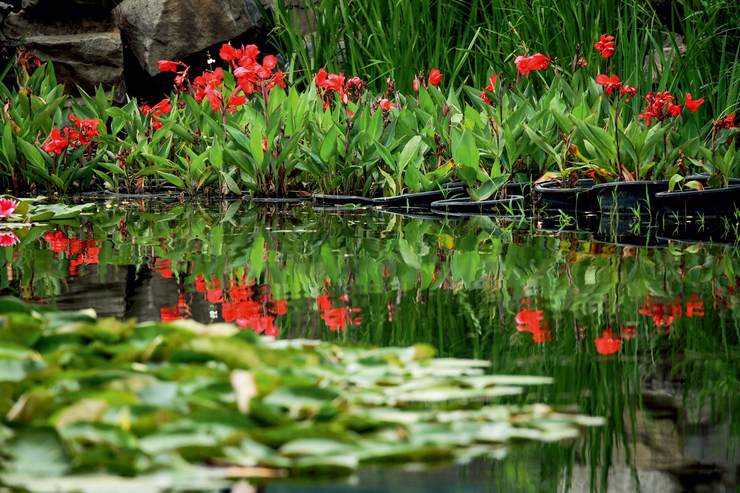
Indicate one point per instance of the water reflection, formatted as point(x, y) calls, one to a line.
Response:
point(647, 336)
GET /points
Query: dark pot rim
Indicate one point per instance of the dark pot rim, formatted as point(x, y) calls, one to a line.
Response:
point(707, 191)
point(466, 201)
point(625, 184)
point(340, 199)
point(549, 186)
point(417, 195)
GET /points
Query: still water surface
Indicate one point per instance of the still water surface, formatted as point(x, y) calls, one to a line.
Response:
point(646, 336)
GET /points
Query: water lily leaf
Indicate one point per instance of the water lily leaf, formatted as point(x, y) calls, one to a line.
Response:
point(312, 447)
point(37, 452)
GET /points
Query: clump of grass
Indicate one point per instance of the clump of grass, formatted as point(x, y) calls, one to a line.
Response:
point(468, 40)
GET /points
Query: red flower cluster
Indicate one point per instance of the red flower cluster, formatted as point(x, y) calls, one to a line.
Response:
point(612, 83)
point(7, 207)
point(156, 112)
point(328, 83)
point(8, 239)
point(605, 46)
point(664, 314)
point(491, 87)
point(79, 252)
point(250, 74)
point(80, 133)
point(338, 318)
point(527, 64)
point(660, 106)
point(208, 86)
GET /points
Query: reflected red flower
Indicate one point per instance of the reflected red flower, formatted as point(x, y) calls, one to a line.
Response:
point(181, 310)
point(57, 240)
point(629, 332)
point(163, 267)
point(7, 207)
point(200, 284)
point(533, 321)
point(608, 343)
point(338, 318)
point(8, 239)
point(280, 307)
point(694, 307)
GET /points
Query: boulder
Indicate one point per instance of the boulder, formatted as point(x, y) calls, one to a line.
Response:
point(84, 59)
point(173, 29)
point(85, 52)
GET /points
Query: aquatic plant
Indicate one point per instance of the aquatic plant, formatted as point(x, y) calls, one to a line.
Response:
point(127, 399)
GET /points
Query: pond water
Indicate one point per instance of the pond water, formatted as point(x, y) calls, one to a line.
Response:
point(647, 336)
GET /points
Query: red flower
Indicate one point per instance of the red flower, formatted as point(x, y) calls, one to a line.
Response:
point(56, 143)
point(87, 129)
point(527, 64)
point(264, 144)
point(228, 53)
point(159, 109)
point(234, 102)
point(609, 83)
point(607, 343)
point(485, 98)
point(660, 106)
point(207, 85)
point(7, 207)
point(605, 46)
point(416, 84)
point(435, 77)
point(8, 239)
point(200, 284)
point(629, 332)
point(169, 66)
point(727, 122)
point(628, 90)
point(692, 104)
point(215, 295)
point(386, 105)
point(492, 83)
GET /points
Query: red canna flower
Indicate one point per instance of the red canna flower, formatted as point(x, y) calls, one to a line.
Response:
point(692, 104)
point(7, 207)
point(694, 307)
point(8, 239)
point(87, 129)
point(169, 66)
point(628, 90)
point(527, 64)
point(159, 109)
point(386, 105)
point(608, 343)
point(235, 102)
point(56, 143)
point(660, 106)
point(208, 85)
point(609, 83)
point(727, 122)
point(228, 53)
point(605, 46)
point(416, 84)
point(435, 77)
point(492, 83)
point(264, 144)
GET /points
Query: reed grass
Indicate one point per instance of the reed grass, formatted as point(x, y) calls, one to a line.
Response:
point(469, 40)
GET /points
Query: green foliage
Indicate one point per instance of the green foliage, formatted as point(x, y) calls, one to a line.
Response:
point(87, 395)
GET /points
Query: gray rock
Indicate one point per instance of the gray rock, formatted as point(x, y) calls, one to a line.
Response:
point(170, 29)
point(84, 59)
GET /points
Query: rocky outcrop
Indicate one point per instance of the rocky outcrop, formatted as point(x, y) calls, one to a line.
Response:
point(172, 29)
point(86, 51)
